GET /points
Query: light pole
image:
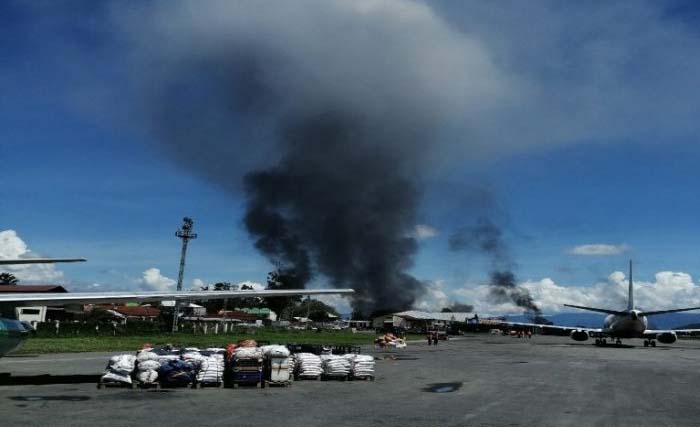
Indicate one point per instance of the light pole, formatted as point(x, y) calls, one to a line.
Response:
point(185, 233)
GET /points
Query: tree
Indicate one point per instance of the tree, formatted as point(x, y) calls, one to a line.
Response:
point(446, 310)
point(283, 279)
point(214, 305)
point(8, 279)
point(222, 286)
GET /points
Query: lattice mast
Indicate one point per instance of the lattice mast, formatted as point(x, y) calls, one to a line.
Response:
point(185, 233)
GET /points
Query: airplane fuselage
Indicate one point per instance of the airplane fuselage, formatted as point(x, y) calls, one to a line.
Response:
point(630, 325)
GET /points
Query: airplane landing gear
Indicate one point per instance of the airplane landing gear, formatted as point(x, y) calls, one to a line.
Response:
point(618, 341)
point(653, 343)
point(597, 341)
point(648, 343)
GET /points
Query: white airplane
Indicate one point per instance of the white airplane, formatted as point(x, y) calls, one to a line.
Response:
point(13, 332)
point(627, 323)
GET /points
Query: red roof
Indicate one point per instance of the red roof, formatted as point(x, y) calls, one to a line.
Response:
point(31, 288)
point(137, 311)
point(238, 315)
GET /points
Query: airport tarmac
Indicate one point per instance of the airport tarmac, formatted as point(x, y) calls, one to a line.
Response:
point(479, 380)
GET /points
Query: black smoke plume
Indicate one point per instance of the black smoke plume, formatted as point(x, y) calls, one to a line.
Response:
point(487, 237)
point(337, 204)
point(324, 115)
point(461, 308)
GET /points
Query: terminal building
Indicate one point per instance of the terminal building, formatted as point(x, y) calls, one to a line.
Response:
point(37, 314)
point(422, 320)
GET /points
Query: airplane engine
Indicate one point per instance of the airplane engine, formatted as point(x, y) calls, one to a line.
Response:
point(579, 335)
point(667, 337)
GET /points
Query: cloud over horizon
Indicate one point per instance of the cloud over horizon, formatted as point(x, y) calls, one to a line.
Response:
point(668, 290)
point(153, 280)
point(11, 247)
point(599, 249)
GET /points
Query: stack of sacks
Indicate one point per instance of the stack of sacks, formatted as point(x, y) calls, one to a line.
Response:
point(247, 353)
point(119, 369)
point(398, 343)
point(216, 350)
point(176, 373)
point(164, 356)
point(193, 357)
point(211, 369)
point(308, 365)
point(147, 367)
point(247, 343)
point(361, 365)
point(275, 351)
point(335, 366)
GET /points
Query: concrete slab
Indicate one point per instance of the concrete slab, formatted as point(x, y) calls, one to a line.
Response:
point(480, 380)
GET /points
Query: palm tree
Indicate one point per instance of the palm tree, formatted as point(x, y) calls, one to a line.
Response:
point(8, 279)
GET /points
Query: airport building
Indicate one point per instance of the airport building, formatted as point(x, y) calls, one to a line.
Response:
point(414, 319)
point(35, 314)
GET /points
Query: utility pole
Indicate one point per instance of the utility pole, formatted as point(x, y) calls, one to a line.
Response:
point(185, 233)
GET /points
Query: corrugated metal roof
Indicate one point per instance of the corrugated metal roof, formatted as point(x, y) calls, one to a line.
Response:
point(140, 311)
point(424, 315)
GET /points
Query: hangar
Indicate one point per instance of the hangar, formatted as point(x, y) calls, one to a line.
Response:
point(421, 320)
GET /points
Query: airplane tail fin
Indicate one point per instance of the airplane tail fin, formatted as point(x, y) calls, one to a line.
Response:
point(630, 300)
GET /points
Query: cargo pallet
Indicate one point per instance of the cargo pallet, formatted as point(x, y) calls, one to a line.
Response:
point(298, 377)
point(325, 377)
point(113, 384)
point(198, 384)
point(271, 383)
point(154, 384)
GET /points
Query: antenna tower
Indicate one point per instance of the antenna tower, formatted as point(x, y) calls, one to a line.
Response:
point(185, 233)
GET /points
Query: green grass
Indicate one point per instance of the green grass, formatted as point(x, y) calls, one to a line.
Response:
point(132, 343)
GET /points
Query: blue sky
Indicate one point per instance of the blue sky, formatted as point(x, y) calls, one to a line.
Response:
point(614, 164)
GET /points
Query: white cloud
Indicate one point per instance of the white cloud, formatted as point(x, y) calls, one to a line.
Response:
point(153, 280)
point(339, 302)
point(435, 297)
point(601, 249)
point(423, 231)
point(11, 247)
point(667, 290)
point(198, 284)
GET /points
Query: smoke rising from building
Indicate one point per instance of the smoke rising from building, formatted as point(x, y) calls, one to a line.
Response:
point(487, 237)
point(324, 116)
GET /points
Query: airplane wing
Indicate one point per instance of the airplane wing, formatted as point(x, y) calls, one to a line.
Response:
point(652, 313)
point(59, 299)
point(554, 327)
point(39, 260)
point(654, 332)
point(598, 310)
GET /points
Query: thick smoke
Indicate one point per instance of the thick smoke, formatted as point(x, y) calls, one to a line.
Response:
point(462, 308)
point(487, 237)
point(327, 112)
point(337, 199)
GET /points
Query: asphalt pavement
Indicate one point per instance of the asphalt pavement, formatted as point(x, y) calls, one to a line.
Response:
point(479, 380)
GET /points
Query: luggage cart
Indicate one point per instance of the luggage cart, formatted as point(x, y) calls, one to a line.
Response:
point(247, 371)
point(277, 371)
